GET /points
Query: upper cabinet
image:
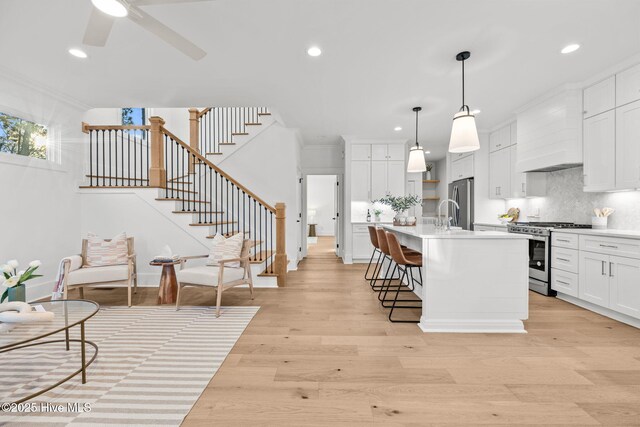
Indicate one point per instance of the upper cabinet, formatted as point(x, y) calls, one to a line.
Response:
point(599, 98)
point(387, 151)
point(461, 167)
point(499, 174)
point(611, 131)
point(360, 151)
point(628, 86)
point(377, 170)
point(502, 138)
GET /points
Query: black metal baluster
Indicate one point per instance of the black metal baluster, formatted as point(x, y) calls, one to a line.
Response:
point(166, 159)
point(271, 239)
point(90, 158)
point(211, 193)
point(226, 203)
point(147, 169)
point(129, 160)
point(255, 231)
point(196, 178)
point(103, 160)
point(260, 227)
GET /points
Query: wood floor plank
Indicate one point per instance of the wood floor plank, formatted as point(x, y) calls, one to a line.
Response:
point(321, 351)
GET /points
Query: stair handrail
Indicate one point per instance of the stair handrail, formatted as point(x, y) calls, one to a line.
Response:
point(217, 169)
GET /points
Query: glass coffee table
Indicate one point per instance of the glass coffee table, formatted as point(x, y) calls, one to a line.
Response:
point(68, 313)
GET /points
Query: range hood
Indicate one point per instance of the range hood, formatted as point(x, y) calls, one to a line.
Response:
point(550, 133)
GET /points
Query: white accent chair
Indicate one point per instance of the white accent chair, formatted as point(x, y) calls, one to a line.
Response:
point(77, 275)
point(219, 277)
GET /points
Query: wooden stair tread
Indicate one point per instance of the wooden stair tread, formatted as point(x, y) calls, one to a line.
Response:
point(253, 124)
point(264, 114)
point(178, 190)
point(164, 199)
point(239, 133)
point(213, 154)
point(226, 143)
point(212, 224)
point(261, 257)
point(265, 274)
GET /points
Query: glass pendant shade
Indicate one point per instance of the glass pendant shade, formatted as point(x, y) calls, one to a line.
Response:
point(464, 135)
point(417, 163)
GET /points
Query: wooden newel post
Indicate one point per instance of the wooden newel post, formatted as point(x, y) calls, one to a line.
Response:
point(281, 248)
point(194, 133)
point(157, 173)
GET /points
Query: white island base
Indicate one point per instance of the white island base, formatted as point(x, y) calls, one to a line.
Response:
point(473, 282)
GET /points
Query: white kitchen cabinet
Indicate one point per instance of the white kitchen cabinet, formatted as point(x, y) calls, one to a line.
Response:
point(624, 280)
point(600, 97)
point(379, 179)
point(360, 151)
point(627, 146)
point(462, 168)
point(499, 174)
point(594, 278)
point(361, 180)
point(600, 152)
point(564, 281)
point(362, 247)
point(628, 86)
point(396, 177)
point(396, 152)
point(518, 187)
point(458, 156)
point(500, 139)
point(387, 151)
point(513, 128)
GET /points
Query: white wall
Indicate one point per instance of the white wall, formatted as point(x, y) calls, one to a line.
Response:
point(321, 197)
point(39, 208)
point(327, 158)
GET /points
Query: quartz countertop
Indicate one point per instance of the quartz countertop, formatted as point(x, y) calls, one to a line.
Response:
point(428, 231)
point(371, 222)
point(629, 234)
point(491, 224)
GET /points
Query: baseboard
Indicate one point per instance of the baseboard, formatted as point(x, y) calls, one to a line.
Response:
point(600, 310)
point(505, 326)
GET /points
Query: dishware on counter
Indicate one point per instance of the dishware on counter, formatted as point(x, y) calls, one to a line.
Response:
point(411, 220)
point(599, 222)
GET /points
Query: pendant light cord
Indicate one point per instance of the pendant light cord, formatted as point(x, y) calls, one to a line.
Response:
point(417, 145)
point(463, 104)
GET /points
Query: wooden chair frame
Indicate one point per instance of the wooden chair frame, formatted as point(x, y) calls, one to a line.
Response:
point(131, 279)
point(245, 263)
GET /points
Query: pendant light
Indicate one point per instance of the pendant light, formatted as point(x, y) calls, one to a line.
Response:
point(417, 164)
point(464, 135)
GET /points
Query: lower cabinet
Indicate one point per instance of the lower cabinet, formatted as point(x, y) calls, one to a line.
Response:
point(594, 278)
point(610, 281)
point(564, 281)
point(624, 276)
point(362, 247)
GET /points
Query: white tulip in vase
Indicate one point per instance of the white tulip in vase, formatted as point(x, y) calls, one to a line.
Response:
point(14, 280)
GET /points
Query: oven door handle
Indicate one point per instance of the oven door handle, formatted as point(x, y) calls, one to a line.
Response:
point(538, 238)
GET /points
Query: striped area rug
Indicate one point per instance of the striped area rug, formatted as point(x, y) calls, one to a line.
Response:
point(153, 363)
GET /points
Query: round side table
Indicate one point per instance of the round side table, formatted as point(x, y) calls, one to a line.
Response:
point(168, 288)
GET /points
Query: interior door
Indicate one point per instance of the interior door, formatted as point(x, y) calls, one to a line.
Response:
point(337, 217)
point(594, 278)
point(302, 236)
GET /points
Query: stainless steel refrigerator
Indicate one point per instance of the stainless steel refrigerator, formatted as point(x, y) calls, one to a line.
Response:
point(462, 192)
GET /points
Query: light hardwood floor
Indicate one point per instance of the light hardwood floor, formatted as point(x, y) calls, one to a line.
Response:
point(321, 352)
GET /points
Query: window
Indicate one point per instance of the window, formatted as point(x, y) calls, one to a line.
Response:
point(134, 116)
point(19, 136)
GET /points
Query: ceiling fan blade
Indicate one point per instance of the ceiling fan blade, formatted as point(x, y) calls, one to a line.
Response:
point(155, 2)
point(98, 28)
point(156, 27)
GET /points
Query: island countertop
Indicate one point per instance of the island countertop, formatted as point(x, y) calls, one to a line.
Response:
point(428, 231)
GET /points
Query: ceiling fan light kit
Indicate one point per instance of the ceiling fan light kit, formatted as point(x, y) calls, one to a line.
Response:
point(417, 162)
point(464, 134)
point(113, 8)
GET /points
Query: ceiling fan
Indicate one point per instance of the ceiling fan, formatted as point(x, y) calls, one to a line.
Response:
point(106, 12)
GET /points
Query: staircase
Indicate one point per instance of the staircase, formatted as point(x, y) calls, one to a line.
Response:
point(199, 194)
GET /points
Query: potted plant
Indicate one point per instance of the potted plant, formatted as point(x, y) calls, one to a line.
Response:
point(14, 280)
point(429, 168)
point(376, 214)
point(399, 204)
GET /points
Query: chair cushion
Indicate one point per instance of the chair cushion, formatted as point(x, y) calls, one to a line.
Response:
point(102, 252)
point(225, 249)
point(88, 275)
point(207, 275)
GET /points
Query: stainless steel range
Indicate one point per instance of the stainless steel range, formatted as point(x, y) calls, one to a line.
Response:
point(540, 251)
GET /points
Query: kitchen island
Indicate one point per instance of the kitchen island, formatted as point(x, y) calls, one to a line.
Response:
point(473, 281)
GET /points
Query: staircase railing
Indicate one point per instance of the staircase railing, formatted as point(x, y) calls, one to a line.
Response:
point(214, 127)
point(118, 155)
point(215, 199)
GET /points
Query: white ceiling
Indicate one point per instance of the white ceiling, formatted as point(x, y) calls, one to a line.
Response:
point(380, 57)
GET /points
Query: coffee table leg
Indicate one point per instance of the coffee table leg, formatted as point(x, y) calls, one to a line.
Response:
point(83, 354)
point(66, 336)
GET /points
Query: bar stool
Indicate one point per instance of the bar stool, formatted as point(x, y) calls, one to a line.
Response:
point(405, 263)
point(384, 248)
point(373, 236)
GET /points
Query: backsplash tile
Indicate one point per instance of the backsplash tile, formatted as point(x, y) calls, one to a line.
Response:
point(566, 201)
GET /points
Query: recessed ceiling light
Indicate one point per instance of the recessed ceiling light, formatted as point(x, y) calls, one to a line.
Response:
point(397, 128)
point(77, 53)
point(475, 112)
point(314, 51)
point(570, 48)
point(111, 7)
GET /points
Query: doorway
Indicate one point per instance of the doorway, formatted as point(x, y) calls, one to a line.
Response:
point(323, 215)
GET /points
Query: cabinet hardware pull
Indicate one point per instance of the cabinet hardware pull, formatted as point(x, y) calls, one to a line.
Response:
point(608, 246)
point(564, 259)
point(610, 269)
point(603, 267)
point(564, 283)
point(563, 240)
point(523, 189)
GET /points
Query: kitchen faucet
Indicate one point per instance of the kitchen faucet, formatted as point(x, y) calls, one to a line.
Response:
point(440, 208)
